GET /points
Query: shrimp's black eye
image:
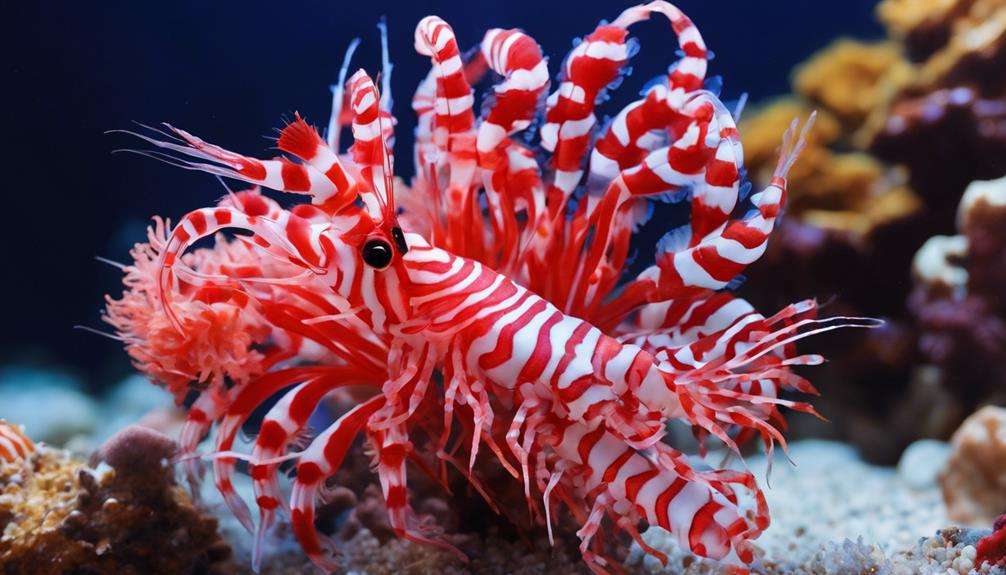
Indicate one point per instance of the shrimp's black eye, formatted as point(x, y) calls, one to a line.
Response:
point(377, 253)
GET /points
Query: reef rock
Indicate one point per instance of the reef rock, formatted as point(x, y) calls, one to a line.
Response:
point(907, 123)
point(974, 480)
point(125, 515)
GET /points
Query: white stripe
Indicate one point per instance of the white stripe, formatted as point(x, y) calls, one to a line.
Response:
point(451, 65)
point(683, 508)
point(576, 128)
point(605, 50)
point(526, 80)
point(454, 106)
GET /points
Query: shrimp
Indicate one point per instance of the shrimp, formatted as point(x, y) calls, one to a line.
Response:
point(486, 304)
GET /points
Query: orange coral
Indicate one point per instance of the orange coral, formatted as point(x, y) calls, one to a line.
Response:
point(849, 192)
point(851, 78)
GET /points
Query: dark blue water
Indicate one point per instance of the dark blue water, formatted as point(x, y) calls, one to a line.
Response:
point(229, 71)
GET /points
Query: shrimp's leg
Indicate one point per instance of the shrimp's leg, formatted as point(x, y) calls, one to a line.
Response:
point(319, 461)
point(243, 403)
point(281, 425)
point(207, 408)
point(393, 448)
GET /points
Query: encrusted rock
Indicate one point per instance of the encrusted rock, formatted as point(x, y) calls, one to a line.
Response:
point(974, 480)
point(125, 515)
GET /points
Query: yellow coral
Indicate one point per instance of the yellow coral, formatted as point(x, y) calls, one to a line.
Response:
point(901, 17)
point(845, 191)
point(846, 77)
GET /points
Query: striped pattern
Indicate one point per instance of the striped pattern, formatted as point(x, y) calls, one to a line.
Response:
point(548, 361)
point(453, 102)
point(517, 57)
point(14, 444)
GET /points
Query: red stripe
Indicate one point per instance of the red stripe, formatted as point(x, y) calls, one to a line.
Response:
point(222, 216)
point(612, 471)
point(504, 345)
point(587, 443)
point(542, 350)
point(664, 500)
point(295, 178)
point(198, 220)
point(636, 482)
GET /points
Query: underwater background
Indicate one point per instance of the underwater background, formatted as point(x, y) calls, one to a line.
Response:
point(896, 210)
point(231, 68)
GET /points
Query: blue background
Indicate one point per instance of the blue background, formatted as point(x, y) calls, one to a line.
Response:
point(229, 71)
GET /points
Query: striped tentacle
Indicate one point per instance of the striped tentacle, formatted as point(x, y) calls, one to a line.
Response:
point(716, 259)
point(453, 129)
point(589, 68)
point(620, 146)
point(595, 63)
point(680, 166)
point(512, 105)
point(370, 151)
point(685, 270)
point(14, 444)
point(517, 58)
point(453, 116)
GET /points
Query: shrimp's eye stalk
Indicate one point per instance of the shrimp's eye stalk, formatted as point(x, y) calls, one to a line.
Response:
point(377, 254)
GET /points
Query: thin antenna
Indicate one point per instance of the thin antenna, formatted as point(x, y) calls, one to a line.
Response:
point(338, 93)
point(112, 263)
point(99, 332)
point(386, 66)
point(386, 167)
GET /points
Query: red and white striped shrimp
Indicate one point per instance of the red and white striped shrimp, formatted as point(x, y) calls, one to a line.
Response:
point(499, 316)
point(14, 444)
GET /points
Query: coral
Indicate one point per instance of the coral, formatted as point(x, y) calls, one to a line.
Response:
point(850, 79)
point(222, 337)
point(125, 515)
point(915, 118)
point(974, 482)
point(947, 124)
point(959, 299)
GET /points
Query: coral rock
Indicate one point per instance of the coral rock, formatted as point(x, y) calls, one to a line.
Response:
point(845, 77)
point(974, 481)
point(61, 516)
